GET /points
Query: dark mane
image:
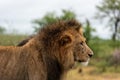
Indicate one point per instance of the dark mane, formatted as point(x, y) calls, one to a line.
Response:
point(60, 26)
point(53, 31)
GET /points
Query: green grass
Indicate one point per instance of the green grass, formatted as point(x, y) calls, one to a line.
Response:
point(103, 50)
point(8, 40)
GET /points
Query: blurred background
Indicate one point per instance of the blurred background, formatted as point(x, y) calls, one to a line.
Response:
point(99, 18)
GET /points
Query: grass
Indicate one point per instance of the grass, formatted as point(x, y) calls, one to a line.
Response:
point(103, 50)
point(89, 73)
point(8, 40)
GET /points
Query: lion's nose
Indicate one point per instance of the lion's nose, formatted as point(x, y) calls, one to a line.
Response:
point(90, 54)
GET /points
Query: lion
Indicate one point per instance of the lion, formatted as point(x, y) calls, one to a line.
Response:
point(46, 56)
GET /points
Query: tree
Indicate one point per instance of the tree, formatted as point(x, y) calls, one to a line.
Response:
point(88, 31)
point(67, 15)
point(110, 9)
point(52, 17)
point(2, 30)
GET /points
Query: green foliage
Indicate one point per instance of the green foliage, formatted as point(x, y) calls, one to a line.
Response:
point(47, 19)
point(88, 31)
point(52, 17)
point(67, 15)
point(110, 9)
point(103, 51)
point(2, 30)
point(103, 48)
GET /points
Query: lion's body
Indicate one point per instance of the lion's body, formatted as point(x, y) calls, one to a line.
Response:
point(18, 63)
point(47, 56)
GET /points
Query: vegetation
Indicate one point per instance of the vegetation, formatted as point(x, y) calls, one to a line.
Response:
point(88, 31)
point(52, 17)
point(8, 40)
point(103, 58)
point(2, 30)
point(110, 9)
point(115, 60)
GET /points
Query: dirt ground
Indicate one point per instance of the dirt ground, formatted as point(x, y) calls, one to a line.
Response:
point(88, 73)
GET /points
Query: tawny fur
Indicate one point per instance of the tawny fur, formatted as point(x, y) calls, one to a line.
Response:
point(47, 56)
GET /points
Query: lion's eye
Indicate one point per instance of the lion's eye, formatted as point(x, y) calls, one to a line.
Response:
point(81, 43)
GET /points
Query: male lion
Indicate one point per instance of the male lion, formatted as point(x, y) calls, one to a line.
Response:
point(46, 56)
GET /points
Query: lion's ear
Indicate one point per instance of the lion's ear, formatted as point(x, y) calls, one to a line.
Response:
point(65, 40)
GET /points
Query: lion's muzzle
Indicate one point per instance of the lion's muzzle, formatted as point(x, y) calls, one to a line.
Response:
point(90, 54)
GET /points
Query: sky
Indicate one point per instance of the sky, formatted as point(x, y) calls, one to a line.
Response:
point(17, 15)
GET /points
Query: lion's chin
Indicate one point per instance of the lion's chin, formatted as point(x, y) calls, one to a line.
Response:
point(85, 63)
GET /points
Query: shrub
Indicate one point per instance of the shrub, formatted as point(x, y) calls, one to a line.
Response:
point(115, 60)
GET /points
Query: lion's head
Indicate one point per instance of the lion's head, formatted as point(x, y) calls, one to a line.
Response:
point(64, 41)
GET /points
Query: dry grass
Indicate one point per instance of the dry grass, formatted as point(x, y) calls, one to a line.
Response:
point(89, 73)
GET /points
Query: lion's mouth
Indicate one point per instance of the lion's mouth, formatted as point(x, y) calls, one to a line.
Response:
point(83, 62)
point(80, 60)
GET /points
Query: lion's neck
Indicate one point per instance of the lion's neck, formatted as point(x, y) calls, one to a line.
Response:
point(54, 71)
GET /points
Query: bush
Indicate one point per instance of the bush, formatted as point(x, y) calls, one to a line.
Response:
point(115, 60)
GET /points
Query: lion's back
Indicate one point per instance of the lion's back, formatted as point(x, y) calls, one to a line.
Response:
point(11, 68)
